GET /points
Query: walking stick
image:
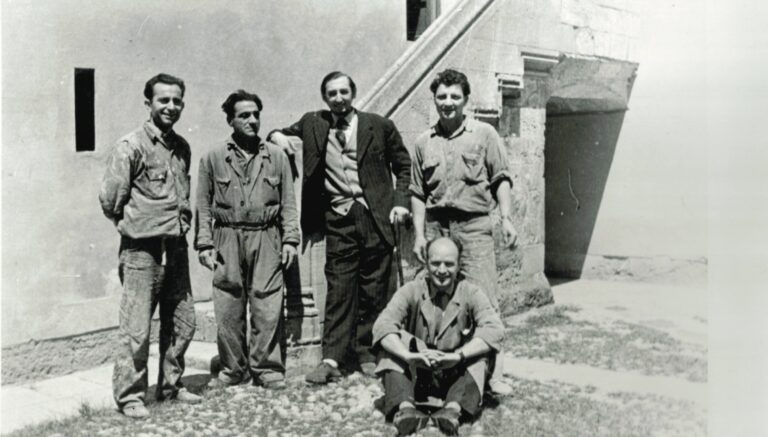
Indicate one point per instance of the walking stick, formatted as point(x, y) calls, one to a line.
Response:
point(398, 256)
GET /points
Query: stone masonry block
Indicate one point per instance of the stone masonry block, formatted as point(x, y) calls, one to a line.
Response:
point(532, 122)
point(606, 19)
point(619, 47)
point(613, 4)
point(518, 294)
point(585, 41)
point(486, 28)
point(479, 55)
point(603, 44)
point(575, 12)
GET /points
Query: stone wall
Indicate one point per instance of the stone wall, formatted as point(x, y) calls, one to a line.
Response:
point(59, 252)
point(524, 59)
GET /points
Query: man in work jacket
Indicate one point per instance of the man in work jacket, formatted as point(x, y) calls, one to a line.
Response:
point(145, 192)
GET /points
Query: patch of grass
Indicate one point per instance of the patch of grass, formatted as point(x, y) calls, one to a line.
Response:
point(552, 334)
point(539, 409)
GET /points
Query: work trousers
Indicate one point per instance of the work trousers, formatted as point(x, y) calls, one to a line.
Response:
point(451, 385)
point(478, 259)
point(358, 268)
point(249, 273)
point(153, 271)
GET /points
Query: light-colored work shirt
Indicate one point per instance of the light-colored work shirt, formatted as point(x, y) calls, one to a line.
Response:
point(459, 171)
point(145, 190)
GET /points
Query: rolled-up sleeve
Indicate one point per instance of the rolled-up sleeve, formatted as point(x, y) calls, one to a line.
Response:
point(496, 159)
point(203, 201)
point(488, 324)
point(416, 186)
point(116, 185)
point(288, 217)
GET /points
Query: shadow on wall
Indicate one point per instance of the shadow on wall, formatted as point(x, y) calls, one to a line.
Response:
point(579, 150)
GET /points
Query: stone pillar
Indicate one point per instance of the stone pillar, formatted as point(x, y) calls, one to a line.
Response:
point(522, 282)
point(303, 282)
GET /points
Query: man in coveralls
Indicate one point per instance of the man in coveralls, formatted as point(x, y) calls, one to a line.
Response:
point(145, 192)
point(247, 232)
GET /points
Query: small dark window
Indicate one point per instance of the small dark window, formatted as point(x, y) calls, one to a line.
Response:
point(419, 14)
point(84, 113)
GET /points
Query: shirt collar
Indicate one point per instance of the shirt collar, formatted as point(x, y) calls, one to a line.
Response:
point(467, 125)
point(167, 139)
point(263, 150)
point(349, 117)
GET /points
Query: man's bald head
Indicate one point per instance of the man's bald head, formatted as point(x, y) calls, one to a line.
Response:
point(443, 262)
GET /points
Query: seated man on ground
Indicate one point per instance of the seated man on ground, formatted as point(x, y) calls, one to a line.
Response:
point(439, 336)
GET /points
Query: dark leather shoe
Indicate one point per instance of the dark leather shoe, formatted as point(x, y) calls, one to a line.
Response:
point(323, 374)
point(447, 419)
point(409, 420)
point(271, 381)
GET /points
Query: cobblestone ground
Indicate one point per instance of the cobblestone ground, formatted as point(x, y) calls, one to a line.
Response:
point(538, 407)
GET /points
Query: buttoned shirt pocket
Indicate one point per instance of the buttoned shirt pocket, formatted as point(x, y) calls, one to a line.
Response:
point(271, 190)
point(223, 192)
point(432, 172)
point(157, 186)
point(474, 170)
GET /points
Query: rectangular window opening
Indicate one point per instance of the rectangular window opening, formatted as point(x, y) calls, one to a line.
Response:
point(84, 110)
point(419, 14)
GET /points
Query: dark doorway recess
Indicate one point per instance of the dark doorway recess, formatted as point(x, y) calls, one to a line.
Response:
point(579, 149)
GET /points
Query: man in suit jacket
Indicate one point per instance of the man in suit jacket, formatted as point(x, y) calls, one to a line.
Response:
point(349, 157)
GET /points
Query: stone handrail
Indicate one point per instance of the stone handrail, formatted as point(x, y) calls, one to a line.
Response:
point(409, 71)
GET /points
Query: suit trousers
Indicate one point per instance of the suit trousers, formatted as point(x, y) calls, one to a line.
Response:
point(358, 268)
point(148, 282)
point(451, 385)
point(249, 273)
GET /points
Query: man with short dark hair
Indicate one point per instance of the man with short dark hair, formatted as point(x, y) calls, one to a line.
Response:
point(349, 157)
point(246, 233)
point(145, 192)
point(440, 335)
point(459, 168)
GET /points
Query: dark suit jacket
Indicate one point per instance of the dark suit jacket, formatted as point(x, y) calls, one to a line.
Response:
point(380, 153)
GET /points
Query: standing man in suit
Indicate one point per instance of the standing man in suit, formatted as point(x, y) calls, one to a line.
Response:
point(349, 158)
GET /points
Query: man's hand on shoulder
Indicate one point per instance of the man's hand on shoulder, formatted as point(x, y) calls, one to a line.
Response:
point(282, 141)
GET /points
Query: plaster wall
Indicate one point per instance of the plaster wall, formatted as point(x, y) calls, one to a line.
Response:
point(59, 252)
point(655, 199)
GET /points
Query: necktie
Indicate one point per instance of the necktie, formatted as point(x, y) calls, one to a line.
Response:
point(341, 124)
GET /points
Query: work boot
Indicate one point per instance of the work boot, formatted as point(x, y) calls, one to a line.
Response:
point(447, 419)
point(499, 388)
point(323, 374)
point(187, 397)
point(135, 411)
point(271, 380)
point(408, 420)
point(216, 383)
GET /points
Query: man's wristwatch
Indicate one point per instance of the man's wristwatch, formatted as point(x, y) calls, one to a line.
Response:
point(462, 357)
